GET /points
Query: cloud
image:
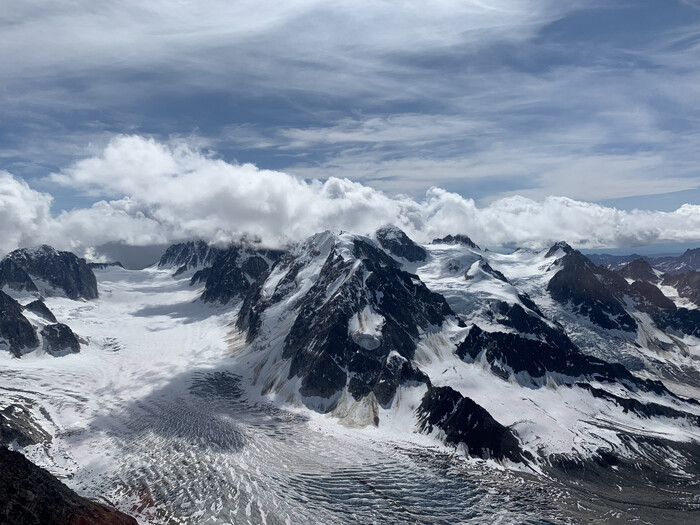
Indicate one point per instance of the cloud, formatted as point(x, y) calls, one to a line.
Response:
point(154, 193)
point(24, 213)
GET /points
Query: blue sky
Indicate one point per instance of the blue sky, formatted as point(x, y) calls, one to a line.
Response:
point(595, 101)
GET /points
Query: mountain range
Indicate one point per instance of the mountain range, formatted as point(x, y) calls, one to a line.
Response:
point(580, 371)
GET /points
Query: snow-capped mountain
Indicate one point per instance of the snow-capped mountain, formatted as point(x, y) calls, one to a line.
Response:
point(687, 261)
point(227, 272)
point(255, 364)
point(26, 323)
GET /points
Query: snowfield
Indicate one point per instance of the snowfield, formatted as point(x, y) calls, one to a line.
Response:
point(168, 414)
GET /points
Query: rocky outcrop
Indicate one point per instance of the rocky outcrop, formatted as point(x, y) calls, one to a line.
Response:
point(465, 422)
point(639, 270)
point(39, 308)
point(357, 318)
point(59, 340)
point(399, 244)
point(63, 271)
point(188, 255)
point(15, 277)
point(457, 239)
point(233, 271)
point(16, 332)
point(18, 427)
point(686, 284)
point(32, 496)
point(560, 246)
point(688, 261)
point(592, 291)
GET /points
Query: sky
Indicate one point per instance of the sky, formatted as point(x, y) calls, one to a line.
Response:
point(517, 122)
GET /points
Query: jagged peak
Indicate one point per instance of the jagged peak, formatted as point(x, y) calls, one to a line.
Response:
point(456, 239)
point(559, 246)
point(399, 244)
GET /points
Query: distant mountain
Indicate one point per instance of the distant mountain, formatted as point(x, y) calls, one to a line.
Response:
point(690, 260)
point(639, 270)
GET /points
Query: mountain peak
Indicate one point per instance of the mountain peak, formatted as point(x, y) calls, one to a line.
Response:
point(399, 244)
point(456, 239)
point(559, 246)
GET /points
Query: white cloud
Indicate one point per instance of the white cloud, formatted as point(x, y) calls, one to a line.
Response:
point(24, 213)
point(163, 192)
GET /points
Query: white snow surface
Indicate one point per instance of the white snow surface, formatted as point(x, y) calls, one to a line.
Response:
point(126, 429)
point(147, 336)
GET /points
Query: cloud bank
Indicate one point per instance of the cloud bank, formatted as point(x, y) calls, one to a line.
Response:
point(155, 192)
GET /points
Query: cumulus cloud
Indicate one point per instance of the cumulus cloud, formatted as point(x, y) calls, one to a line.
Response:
point(154, 192)
point(24, 212)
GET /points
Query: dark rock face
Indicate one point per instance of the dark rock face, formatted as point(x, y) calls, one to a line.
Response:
point(227, 273)
point(62, 270)
point(59, 339)
point(592, 291)
point(561, 245)
point(399, 244)
point(187, 255)
point(233, 271)
point(541, 351)
point(638, 270)
point(486, 268)
point(614, 262)
point(648, 298)
point(32, 496)
point(18, 426)
point(366, 288)
point(15, 277)
point(40, 308)
point(464, 421)
point(689, 261)
point(457, 239)
point(639, 407)
point(17, 332)
point(687, 284)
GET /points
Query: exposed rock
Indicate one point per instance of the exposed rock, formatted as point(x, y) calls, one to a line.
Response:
point(638, 270)
point(62, 270)
point(688, 261)
point(542, 352)
point(60, 340)
point(464, 421)
point(187, 255)
point(19, 427)
point(457, 239)
point(640, 408)
point(560, 246)
point(16, 332)
point(399, 244)
point(592, 291)
point(357, 325)
point(32, 496)
point(15, 277)
point(486, 268)
point(40, 309)
point(233, 271)
point(686, 284)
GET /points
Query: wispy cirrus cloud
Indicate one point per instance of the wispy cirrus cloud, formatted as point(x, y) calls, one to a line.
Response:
point(584, 99)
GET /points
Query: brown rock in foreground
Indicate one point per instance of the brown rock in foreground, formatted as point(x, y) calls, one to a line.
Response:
point(31, 495)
